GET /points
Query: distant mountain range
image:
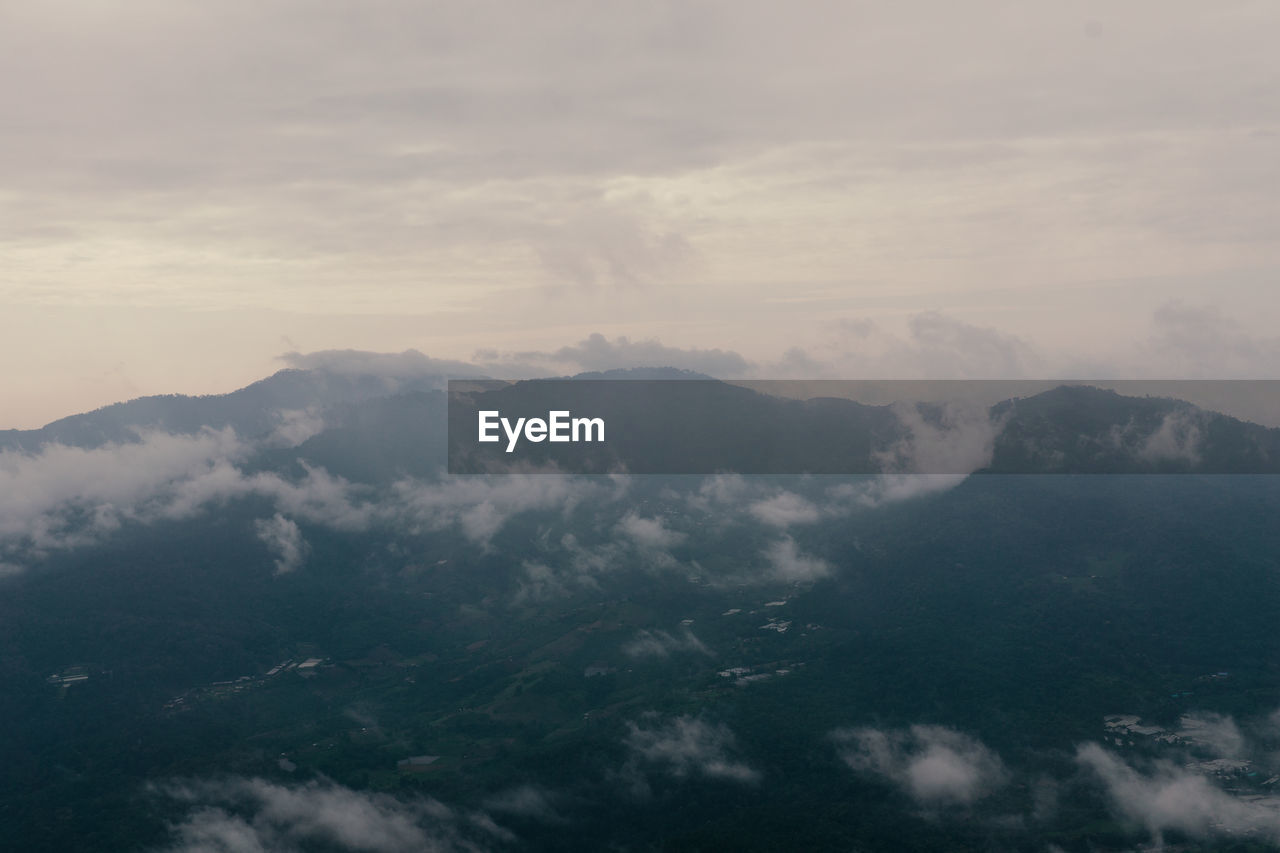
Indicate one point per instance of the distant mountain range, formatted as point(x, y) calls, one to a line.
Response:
point(678, 663)
point(373, 425)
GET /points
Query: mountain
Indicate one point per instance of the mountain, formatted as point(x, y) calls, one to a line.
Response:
point(1080, 429)
point(253, 411)
point(703, 426)
point(309, 638)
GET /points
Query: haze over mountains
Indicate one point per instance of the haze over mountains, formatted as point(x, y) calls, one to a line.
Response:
point(1069, 429)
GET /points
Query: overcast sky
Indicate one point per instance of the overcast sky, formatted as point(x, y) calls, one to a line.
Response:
point(188, 190)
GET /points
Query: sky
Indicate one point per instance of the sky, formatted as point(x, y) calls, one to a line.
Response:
point(195, 195)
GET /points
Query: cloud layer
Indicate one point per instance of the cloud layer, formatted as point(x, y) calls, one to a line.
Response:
point(238, 815)
point(687, 746)
point(935, 765)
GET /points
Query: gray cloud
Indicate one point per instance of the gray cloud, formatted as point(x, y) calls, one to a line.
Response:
point(598, 352)
point(1201, 341)
point(721, 491)
point(729, 499)
point(480, 506)
point(636, 542)
point(526, 801)
point(602, 243)
point(784, 509)
point(687, 746)
point(541, 582)
point(959, 440)
point(66, 497)
point(892, 488)
point(648, 533)
point(1217, 734)
point(295, 426)
point(937, 766)
point(282, 536)
point(409, 364)
point(1177, 437)
point(448, 169)
point(1167, 797)
point(660, 644)
point(318, 496)
point(787, 563)
point(253, 815)
point(933, 346)
point(1178, 340)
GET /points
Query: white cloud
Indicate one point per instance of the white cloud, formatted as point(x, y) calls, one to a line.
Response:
point(892, 488)
point(296, 426)
point(481, 506)
point(66, 497)
point(1202, 342)
point(1177, 437)
point(789, 564)
point(283, 537)
point(599, 353)
point(660, 644)
point(937, 766)
point(619, 242)
point(932, 346)
point(689, 746)
point(540, 582)
point(955, 439)
point(238, 815)
point(721, 491)
point(392, 368)
point(648, 533)
point(1217, 734)
point(784, 509)
point(318, 496)
point(1168, 797)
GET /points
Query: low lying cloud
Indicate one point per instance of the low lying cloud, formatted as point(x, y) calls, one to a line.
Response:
point(598, 353)
point(1167, 797)
point(660, 644)
point(67, 496)
point(952, 439)
point(295, 426)
point(648, 533)
point(721, 491)
point(525, 801)
point(688, 747)
point(282, 536)
point(936, 766)
point(409, 364)
point(1178, 437)
point(893, 488)
point(257, 816)
point(787, 563)
point(1215, 734)
point(784, 509)
point(481, 506)
point(318, 496)
point(575, 566)
point(541, 582)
